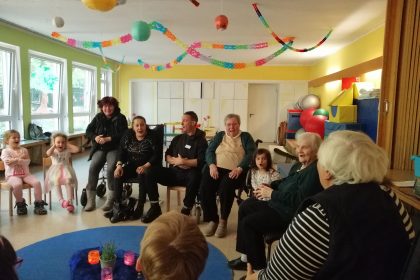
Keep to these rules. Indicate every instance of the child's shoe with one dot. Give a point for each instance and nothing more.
(21, 208)
(70, 207)
(39, 207)
(64, 203)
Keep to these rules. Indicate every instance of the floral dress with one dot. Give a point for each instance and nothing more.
(259, 177)
(61, 171)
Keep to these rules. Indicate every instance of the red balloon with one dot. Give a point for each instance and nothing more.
(221, 22)
(305, 115)
(316, 124)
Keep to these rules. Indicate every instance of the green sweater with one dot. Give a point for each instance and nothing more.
(289, 192)
(247, 143)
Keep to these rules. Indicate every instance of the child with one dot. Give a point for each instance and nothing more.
(16, 161)
(173, 247)
(262, 171)
(61, 171)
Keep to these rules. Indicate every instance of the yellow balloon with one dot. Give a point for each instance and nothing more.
(100, 5)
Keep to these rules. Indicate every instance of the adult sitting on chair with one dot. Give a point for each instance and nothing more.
(355, 229)
(257, 217)
(137, 153)
(228, 158)
(185, 157)
(105, 131)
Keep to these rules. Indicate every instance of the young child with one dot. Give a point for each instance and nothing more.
(173, 247)
(262, 171)
(61, 171)
(16, 161)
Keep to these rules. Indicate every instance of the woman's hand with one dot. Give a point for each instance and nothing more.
(263, 192)
(141, 169)
(118, 172)
(250, 274)
(234, 174)
(213, 171)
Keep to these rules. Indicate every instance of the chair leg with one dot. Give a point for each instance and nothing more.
(76, 197)
(178, 193)
(10, 202)
(30, 196)
(49, 200)
(168, 199)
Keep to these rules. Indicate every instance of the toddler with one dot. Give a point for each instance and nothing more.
(16, 161)
(262, 171)
(61, 171)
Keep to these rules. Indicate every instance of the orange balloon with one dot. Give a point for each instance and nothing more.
(100, 5)
(221, 22)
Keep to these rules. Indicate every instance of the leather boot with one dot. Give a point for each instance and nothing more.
(91, 200)
(117, 213)
(138, 211)
(110, 198)
(152, 214)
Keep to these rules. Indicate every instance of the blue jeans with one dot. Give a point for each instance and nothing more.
(97, 163)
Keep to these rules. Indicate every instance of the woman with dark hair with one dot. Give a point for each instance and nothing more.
(8, 260)
(105, 131)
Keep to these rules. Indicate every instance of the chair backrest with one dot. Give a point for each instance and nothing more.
(46, 162)
(2, 165)
(412, 265)
(158, 131)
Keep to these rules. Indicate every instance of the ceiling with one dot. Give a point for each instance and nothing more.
(307, 20)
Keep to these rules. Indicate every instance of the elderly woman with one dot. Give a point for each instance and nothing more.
(355, 229)
(228, 157)
(258, 217)
(105, 132)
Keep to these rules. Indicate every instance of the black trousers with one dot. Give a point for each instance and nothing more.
(173, 176)
(225, 187)
(256, 218)
(143, 181)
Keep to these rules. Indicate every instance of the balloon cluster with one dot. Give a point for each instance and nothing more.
(312, 119)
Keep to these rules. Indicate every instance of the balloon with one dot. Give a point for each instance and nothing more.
(100, 5)
(310, 101)
(299, 132)
(58, 22)
(322, 112)
(221, 22)
(140, 30)
(305, 115)
(316, 124)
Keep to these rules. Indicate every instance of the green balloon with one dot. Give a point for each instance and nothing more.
(140, 31)
(321, 112)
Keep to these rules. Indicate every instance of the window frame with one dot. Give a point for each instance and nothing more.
(106, 82)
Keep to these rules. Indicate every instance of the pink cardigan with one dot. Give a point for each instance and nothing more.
(21, 167)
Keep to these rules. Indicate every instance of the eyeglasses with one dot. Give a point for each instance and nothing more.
(18, 262)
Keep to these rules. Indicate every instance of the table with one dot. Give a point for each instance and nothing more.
(405, 194)
(81, 270)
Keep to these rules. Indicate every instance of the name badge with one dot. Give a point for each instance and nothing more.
(187, 146)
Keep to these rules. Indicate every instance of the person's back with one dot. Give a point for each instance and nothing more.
(8, 260)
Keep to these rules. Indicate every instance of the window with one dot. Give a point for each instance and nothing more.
(84, 93)
(106, 83)
(9, 90)
(48, 108)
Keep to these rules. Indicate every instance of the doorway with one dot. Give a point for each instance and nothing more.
(262, 111)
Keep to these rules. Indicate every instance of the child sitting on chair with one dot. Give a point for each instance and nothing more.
(61, 171)
(16, 161)
(262, 171)
(173, 247)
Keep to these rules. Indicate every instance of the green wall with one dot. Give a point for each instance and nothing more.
(26, 41)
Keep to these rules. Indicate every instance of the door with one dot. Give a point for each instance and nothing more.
(262, 111)
(143, 100)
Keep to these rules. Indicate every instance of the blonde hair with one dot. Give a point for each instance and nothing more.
(173, 247)
(8, 133)
(58, 134)
(352, 157)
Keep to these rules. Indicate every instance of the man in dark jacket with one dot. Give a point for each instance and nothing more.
(185, 157)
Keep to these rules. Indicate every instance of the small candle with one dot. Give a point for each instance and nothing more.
(93, 257)
(129, 257)
(106, 273)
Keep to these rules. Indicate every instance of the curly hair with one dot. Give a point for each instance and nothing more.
(109, 100)
(7, 134)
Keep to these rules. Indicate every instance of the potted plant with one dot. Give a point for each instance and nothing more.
(108, 254)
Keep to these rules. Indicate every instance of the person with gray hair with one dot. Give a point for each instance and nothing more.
(355, 229)
(257, 217)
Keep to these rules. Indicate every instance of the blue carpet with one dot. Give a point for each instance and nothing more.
(49, 259)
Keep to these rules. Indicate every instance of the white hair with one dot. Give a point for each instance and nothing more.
(352, 157)
(311, 138)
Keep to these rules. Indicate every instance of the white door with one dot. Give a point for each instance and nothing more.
(262, 111)
(143, 100)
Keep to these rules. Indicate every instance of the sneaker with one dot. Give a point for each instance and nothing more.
(152, 214)
(186, 211)
(108, 214)
(63, 203)
(70, 207)
(210, 228)
(39, 207)
(221, 230)
(21, 208)
(237, 264)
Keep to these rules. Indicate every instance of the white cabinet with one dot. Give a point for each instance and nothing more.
(170, 105)
(233, 98)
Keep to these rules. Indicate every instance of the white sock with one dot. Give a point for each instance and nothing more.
(244, 258)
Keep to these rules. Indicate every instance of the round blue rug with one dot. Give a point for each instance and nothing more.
(49, 259)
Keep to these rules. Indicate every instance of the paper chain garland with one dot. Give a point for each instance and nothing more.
(264, 22)
(192, 49)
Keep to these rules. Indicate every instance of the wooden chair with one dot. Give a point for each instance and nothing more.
(46, 163)
(178, 189)
(4, 186)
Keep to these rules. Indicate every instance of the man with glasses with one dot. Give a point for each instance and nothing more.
(185, 157)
